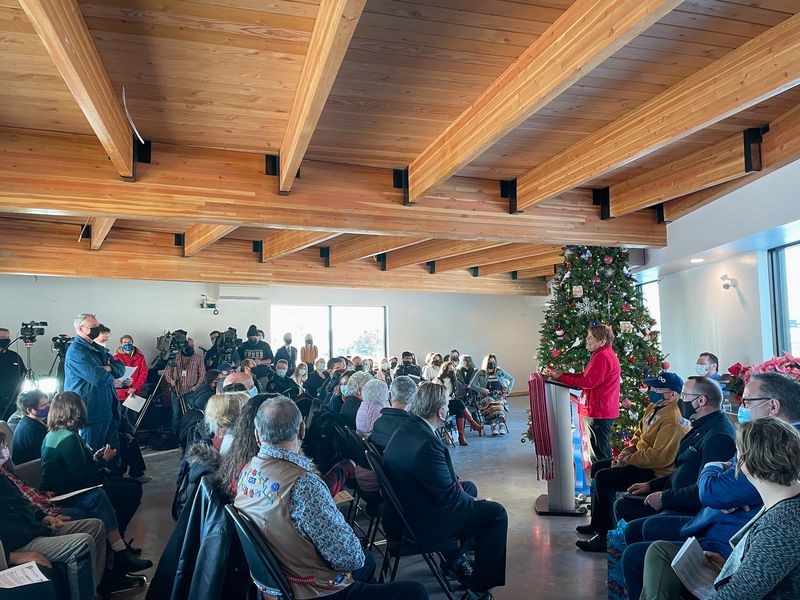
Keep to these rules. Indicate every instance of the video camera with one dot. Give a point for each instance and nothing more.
(61, 343)
(226, 344)
(29, 331)
(169, 344)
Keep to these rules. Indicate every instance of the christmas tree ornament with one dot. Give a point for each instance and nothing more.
(577, 291)
(665, 366)
(608, 260)
(643, 389)
(586, 307)
(560, 332)
(555, 353)
(586, 255)
(625, 327)
(626, 307)
(626, 403)
(595, 280)
(651, 360)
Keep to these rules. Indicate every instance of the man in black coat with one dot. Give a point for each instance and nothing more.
(439, 506)
(31, 431)
(256, 349)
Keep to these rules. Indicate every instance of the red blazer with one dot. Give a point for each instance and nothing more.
(139, 376)
(600, 383)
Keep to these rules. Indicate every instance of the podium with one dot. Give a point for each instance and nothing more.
(559, 501)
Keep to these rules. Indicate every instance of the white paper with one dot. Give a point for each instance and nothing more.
(75, 493)
(21, 575)
(129, 371)
(135, 403)
(690, 567)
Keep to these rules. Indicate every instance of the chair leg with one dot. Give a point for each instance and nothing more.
(438, 574)
(384, 566)
(394, 568)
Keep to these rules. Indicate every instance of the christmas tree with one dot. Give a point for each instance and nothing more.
(594, 285)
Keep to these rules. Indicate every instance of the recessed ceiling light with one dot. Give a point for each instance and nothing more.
(696, 261)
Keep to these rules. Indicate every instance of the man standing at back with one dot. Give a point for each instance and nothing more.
(258, 350)
(86, 374)
(288, 353)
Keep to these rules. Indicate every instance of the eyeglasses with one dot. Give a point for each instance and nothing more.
(747, 402)
(685, 395)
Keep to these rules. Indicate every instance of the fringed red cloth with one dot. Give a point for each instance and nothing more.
(545, 468)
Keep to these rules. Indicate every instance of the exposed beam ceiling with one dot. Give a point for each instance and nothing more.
(100, 228)
(201, 236)
(282, 243)
(432, 250)
(753, 72)
(495, 255)
(66, 38)
(334, 26)
(521, 264)
(586, 34)
(545, 271)
(364, 247)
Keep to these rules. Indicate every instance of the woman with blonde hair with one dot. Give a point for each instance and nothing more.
(456, 396)
(222, 412)
(493, 385)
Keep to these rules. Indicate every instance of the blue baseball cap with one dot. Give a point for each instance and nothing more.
(666, 380)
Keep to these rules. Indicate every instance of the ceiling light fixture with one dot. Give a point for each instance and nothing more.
(697, 261)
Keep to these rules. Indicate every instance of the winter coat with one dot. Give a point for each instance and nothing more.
(600, 382)
(139, 376)
(84, 374)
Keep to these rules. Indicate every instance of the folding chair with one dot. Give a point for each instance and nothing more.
(265, 570)
(408, 545)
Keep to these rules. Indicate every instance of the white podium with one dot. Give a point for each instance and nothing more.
(559, 500)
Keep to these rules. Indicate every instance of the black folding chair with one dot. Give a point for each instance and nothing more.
(407, 544)
(264, 568)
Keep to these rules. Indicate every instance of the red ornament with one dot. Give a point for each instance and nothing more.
(631, 359)
(555, 353)
(608, 260)
(569, 265)
(559, 332)
(626, 307)
(651, 360)
(595, 280)
(665, 366)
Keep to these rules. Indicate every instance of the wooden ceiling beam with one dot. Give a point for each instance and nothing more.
(100, 228)
(431, 250)
(721, 162)
(586, 34)
(756, 71)
(365, 246)
(546, 271)
(333, 29)
(201, 236)
(522, 264)
(780, 146)
(28, 248)
(283, 243)
(62, 174)
(495, 255)
(63, 31)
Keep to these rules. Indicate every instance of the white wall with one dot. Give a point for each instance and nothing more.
(420, 322)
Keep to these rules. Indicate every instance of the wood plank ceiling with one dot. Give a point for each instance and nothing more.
(216, 86)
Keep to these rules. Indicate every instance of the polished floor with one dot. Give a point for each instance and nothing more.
(543, 562)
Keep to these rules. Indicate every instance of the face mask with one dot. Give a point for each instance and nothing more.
(252, 391)
(320, 366)
(252, 341)
(491, 365)
(384, 366)
(309, 341)
(127, 347)
(687, 409)
(4, 344)
(188, 351)
(287, 341)
(454, 359)
(743, 415)
(701, 369)
(281, 372)
(94, 333)
(302, 371)
(407, 362)
(5, 455)
(343, 390)
(43, 412)
(437, 363)
(655, 397)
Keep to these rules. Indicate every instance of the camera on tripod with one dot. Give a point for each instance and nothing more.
(169, 344)
(29, 331)
(227, 343)
(60, 344)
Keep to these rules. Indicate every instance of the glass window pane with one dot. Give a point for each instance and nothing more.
(299, 320)
(652, 301)
(359, 330)
(792, 279)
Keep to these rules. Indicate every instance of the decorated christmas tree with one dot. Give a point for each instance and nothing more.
(594, 285)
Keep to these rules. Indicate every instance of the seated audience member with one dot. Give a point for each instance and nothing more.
(493, 385)
(243, 381)
(304, 529)
(201, 395)
(729, 499)
(437, 505)
(69, 465)
(317, 378)
(402, 394)
(222, 412)
(336, 366)
(282, 383)
(338, 391)
(384, 372)
(408, 368)
(29, 434)
(433, 362)
(352, 397)
(129, 355)
(710, 439)
(466, 370)
(650, 454)
(393, 362)
(374, 398)
(765, 561)
(248, 367)
(707, 366)
(457, 395)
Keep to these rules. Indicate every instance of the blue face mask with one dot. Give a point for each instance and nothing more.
(655, 397)
(343, 390)
(252, 391)
(743, 415)
(127, 347)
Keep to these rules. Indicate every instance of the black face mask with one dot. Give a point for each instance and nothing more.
(454, 359)
(687, 409)
(5, 344)
(437, 363)
(406, 362)
(188, 351)
(252, 341)
(94, 333)
(491, 365)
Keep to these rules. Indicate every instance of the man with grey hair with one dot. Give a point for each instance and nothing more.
(437, 505)
(90, 373)
(401, 395)
(299, 520)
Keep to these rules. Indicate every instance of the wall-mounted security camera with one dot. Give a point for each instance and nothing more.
(728, 282)
(207, 303)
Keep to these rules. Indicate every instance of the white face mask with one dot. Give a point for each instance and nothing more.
(5, 455)
(701, 369)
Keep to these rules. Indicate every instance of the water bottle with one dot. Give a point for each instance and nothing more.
(726, 406)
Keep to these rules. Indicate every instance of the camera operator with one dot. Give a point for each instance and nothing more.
(211, 359)
(90, 372)
(185, 376)
(12, 371)
(258, 350)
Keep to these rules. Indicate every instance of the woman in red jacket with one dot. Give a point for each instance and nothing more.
(600, 382)
(132, 357)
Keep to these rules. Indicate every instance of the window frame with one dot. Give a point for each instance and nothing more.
(779, 298)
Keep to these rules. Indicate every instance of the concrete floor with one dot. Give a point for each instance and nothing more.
(543, 562)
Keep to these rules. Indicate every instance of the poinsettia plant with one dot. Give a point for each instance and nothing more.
(739, 375)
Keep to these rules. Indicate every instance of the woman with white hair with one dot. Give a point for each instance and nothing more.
(351, 393)
(374, 397)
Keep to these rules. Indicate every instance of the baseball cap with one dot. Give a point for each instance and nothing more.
(667, 380)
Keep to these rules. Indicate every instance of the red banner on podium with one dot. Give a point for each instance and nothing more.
(540, 429)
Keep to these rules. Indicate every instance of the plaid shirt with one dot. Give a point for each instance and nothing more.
(37, 498)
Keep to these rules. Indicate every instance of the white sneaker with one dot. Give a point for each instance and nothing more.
(494, 429)
(501, 427)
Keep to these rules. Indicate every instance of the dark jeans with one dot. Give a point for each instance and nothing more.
(639, 534)
(130, 455)
(599, 438)
(607, 482)
(365, 588)
(97, 435)
(95, 504)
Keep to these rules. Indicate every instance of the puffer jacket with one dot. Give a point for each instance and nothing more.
(139, 377)
(201, 459)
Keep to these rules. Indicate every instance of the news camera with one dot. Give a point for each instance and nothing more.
(170, 344)
(226, 344)
(29, 331)
(60, 344)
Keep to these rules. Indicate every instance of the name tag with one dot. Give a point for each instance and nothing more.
(183, 373)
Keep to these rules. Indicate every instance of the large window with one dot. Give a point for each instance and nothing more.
(785, 263)
(337, 330)
(652, 301)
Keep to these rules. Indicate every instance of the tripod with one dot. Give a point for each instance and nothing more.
(29, 381)
(58, 365)
(149, 399)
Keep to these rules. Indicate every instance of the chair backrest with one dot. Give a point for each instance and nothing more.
(30, 472)
(264, 567)
(352, 445)
(389, 495)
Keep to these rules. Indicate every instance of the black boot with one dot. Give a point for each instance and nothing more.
(128, 563)
(115, 581)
